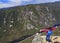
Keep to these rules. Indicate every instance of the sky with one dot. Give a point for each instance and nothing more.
(12, 3)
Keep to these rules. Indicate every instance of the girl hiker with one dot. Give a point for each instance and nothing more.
(49, 31)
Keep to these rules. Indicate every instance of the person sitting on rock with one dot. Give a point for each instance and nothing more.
(49, 31)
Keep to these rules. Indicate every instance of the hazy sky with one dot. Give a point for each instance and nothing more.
(11, 3)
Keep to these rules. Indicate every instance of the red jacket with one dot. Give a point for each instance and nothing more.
(46, 30)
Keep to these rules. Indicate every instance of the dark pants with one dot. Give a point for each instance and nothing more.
(48, 38)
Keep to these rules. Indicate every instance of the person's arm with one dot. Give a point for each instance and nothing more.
(55, 26)
(43, 30)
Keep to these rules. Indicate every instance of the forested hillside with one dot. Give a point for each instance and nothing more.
(18, 21)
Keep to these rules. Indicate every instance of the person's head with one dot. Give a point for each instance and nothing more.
(56, 26)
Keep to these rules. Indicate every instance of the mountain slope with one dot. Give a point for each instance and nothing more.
(25, 20)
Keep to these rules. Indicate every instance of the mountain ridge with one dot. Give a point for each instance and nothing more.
(26, 20)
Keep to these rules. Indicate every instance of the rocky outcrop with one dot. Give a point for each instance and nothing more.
(41, 39)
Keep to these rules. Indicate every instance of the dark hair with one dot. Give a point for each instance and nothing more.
(49, 28)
